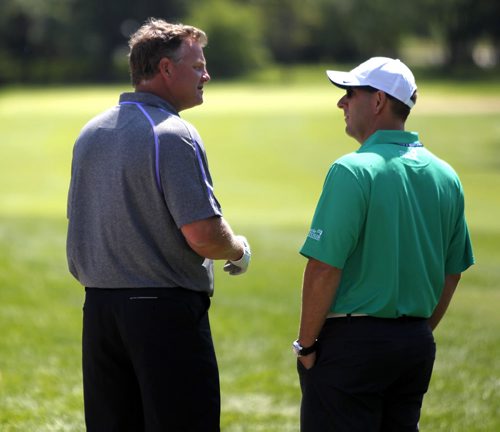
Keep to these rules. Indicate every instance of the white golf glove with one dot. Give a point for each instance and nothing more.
(240, 266)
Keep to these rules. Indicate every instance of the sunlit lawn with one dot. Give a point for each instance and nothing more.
(269, 148)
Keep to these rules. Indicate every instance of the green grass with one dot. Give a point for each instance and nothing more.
(269, 147)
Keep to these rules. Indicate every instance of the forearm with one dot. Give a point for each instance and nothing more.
(450, 284)
(318, 291)
(213, 238)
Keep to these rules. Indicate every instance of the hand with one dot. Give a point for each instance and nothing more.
(240, 266)
(308, 361)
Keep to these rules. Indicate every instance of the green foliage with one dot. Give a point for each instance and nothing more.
(235, 44)
(269, 147)
(46, 41)
(460, 25)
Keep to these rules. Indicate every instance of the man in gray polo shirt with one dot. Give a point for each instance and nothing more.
(144, 227)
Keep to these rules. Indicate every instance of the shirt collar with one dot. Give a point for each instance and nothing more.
(397, 137)
(148, 99)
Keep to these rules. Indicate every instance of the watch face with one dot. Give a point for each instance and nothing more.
(301, 351)
(297, 348)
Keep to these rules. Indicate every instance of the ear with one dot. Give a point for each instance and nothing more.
(380, 101)
(165, 67)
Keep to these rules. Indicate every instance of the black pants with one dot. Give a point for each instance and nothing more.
(149, 362)
(371, 375)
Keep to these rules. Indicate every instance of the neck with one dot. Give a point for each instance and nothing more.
(400, 126)
(153, 86)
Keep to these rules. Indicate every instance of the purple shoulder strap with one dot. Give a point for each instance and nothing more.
(197, 150)
(157, 142)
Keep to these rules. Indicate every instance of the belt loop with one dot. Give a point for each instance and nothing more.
(349, 318)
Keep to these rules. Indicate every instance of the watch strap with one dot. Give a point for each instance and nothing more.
(304, 351)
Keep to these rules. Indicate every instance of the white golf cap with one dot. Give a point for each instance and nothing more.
(386, 74)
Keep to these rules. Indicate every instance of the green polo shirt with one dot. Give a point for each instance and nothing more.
(391, 216)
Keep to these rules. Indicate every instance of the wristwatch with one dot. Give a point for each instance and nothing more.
(301, 351)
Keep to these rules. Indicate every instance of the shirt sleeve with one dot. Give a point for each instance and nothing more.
(460, 256)
(185, 178)
(338, 220)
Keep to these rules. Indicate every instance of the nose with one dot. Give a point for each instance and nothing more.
(342, 101)
(205, 77)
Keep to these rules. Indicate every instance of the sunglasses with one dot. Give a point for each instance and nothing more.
(349, 91)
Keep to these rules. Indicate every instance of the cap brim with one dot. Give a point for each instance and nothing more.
(342, 79)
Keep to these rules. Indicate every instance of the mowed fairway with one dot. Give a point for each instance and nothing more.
(269, 148)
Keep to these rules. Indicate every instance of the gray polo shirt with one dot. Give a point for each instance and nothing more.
(139, 173)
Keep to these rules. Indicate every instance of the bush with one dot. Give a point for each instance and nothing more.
(235, 40)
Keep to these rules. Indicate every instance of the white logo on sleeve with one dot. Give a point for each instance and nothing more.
(315, 234)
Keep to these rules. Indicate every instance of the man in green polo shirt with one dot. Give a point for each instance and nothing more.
(387, 245)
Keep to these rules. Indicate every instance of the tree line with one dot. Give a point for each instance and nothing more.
(46, 41)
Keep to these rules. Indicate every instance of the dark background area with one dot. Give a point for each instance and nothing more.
(73, 41)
